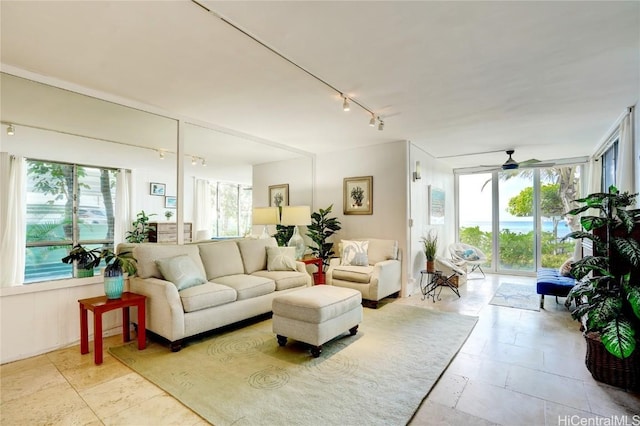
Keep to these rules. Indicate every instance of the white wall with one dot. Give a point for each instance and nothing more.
(437, 174)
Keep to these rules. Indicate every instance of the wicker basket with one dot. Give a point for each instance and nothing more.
(606, 368)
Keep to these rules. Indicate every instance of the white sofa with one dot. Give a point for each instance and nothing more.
(239, 286)
(382, 276)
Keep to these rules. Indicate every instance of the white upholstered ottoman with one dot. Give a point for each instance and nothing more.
(316, 315)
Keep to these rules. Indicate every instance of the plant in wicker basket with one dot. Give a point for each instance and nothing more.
(607, 294)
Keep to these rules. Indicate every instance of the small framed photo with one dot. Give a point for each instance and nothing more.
(170, 202)
(157, 189)
(279, 195)
(358, 195)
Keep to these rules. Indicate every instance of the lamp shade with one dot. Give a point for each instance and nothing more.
(265, 215)
(296, 215)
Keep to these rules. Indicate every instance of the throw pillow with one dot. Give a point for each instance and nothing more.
(354, 253)
(182, 271)
(470, 254)
(281, 258)
(565, 268)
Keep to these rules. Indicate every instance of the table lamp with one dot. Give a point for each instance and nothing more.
(296, 216)
(265, 216)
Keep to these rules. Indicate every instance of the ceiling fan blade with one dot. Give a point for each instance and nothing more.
(537, 165)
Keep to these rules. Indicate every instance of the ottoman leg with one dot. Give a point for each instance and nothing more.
(282, 340)
(315, 351)
(353, 330)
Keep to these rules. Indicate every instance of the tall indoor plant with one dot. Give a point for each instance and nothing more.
(430, 248)
(607, 294)
(141, 228)
(321, 229)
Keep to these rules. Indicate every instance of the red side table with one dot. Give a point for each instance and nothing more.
(100, 305)
(318, 277)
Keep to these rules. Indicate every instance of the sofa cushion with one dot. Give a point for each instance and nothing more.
(182, 271)
(146, 255)
(284, 279)
(221, 258)
(206, 296)
(357, 274)
(353, 252)
(248, 286)
(281, 259)
(254, 255)
(381, 250)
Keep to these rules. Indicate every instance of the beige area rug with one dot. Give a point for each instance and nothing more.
(242, 377)
(520, 296)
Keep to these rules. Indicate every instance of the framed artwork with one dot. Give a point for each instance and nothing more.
(157, 189)
(436, 205)
(170, 202)
(279, 195)
(358, 195)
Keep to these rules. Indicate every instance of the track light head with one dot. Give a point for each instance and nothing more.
(345, 104)
(11, 130)
(372, 122)
(380, 125)
(204, 162)
(193, 161)
(161, 154)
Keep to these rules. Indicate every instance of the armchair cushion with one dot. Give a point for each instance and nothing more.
(358, 274)
(354, 253)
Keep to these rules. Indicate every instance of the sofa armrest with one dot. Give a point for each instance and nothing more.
(333, 262)
(164, 311)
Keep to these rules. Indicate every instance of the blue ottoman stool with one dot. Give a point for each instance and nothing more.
(550, 282)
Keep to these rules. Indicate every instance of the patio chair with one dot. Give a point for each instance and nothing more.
(462, 253)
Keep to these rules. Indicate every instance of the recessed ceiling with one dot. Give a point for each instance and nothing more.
(546, 78)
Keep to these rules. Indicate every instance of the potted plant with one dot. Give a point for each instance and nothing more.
(607, 293)
(117, 265)
(321, 229)
(430, 248)
(168, 214)
(141, 228)
(84, 260)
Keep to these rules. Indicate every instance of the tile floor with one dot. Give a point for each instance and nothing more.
(517, 367)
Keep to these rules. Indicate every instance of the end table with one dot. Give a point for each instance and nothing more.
(99, 305)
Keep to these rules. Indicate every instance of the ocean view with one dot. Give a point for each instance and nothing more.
(520, 227)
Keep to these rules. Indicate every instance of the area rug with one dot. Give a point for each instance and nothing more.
(520, 296)
(242, 377)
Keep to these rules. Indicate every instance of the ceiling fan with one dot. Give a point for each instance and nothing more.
(512, 164)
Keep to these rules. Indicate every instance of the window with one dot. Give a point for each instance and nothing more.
(609, 166)
(232, 209)
(67, 204)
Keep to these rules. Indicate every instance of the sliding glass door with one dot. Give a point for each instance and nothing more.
(517, 217)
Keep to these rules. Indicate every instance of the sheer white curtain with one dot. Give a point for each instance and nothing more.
(625, 167)
(202, 209)
(123, 213)
(13, 210)
(594, 181)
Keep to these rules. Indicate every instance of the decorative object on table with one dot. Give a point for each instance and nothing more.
(168, 214)
(84, 260)
(279, 195)
(141, 228)
(321, 229)
(607, 295)
(403, 348)
(157, 189)
(170, 202)
(117, 265)
(436, 205)
(296, 216)
(265, 216)
(519, 296)
(430, 248)
(357, 195)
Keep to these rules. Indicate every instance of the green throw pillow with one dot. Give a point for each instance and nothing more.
(281, 258)
(182, 271)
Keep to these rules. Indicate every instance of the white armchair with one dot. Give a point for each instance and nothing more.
(376, 278)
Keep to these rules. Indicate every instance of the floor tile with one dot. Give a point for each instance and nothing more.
(448, 389)
(561, 415)
(158, 410)
(30, 380)
(24, 364)
(50, 405)
(479, 369)
(434, 414)
(608, 401)
(87, 374)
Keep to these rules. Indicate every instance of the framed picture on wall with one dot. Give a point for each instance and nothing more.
(357, 195)
(156, 188)
(436, 205)
(170, 202)
(279, 195)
